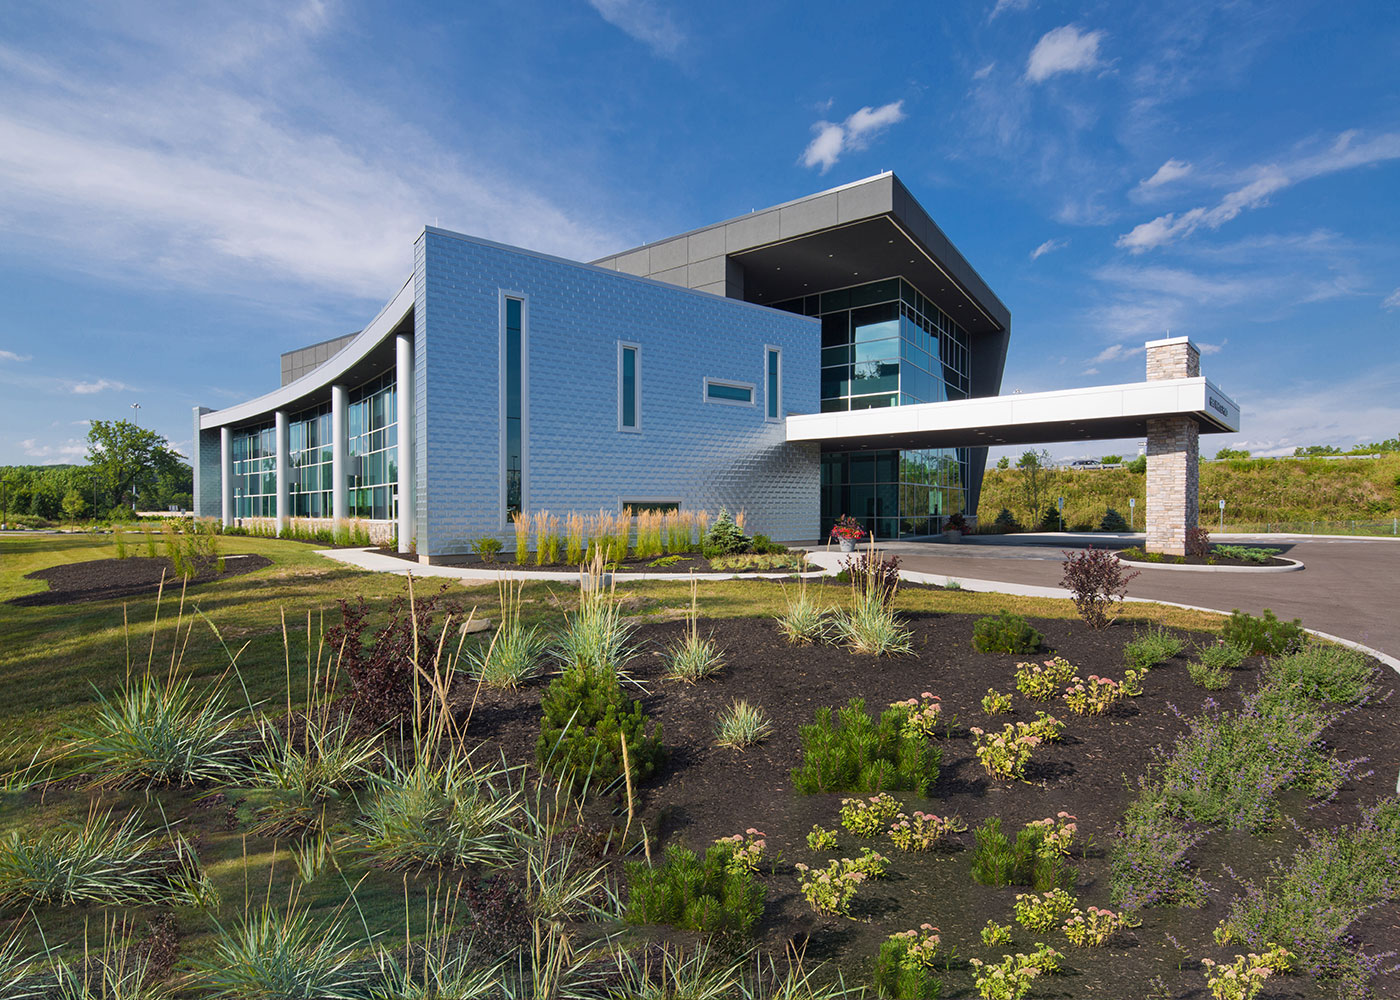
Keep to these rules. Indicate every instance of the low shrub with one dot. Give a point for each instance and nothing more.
(1324, 675)
(724, 538)
(1005, 633)
(765, 546)
(709, 894)
(487, 548)
(1198, 543)
(1150, 647)
(903, 964)
(741, 725)
(854, 753)
(1221, 655)
(1036, 858)
(1246, 553)
(585, 718)
(1208, 677)
(1094, 578)
(1265, 635)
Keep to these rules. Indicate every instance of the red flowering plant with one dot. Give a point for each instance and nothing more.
(847, 527)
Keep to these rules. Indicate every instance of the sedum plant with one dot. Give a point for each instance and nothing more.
(867, 818)
(922, 830)
(1092, 927)
(904, 964)
(994, 933)
(1004, 755)
(1043, 911)
(830, 890)
(1092, 697)
(996, 703)
(821, 839)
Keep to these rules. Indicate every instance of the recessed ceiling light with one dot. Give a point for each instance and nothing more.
(831, 255)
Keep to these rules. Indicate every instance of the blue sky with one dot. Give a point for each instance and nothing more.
(187, 190)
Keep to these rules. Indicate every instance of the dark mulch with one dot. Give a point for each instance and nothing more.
(706, 792)
(1213, 560)
(104, 579)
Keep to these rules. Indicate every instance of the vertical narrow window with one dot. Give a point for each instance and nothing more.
(514, 405)
(629, 387)
(774, 382)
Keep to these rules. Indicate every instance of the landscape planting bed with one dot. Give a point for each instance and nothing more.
(107, 579)
(706, 792)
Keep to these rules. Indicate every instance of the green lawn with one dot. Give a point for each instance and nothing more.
(53, 659)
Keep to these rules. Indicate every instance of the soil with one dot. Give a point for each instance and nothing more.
(705, 792)
(1213, 560)
(105, 579)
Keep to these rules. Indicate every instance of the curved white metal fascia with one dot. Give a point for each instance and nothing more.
(327, 374)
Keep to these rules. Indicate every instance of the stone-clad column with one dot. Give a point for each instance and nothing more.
(284, 478)
(226, 474)
(1173, 454)
(340, 453)
(403, 375)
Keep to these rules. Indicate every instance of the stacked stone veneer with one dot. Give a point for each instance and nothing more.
(1173, 454)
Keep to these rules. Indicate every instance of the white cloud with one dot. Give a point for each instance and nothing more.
(1172, 170)
(1345, 153)
(831, 139)
(51, 454)
(1090, 371)
(12, 356)
(201, 167)
(1213, 348)
(645, 20)
(985, 71)
(1114, 352)
(1004, 5)
(94, 387)
(1391, 301)
(1063, 50)
(1049, 246)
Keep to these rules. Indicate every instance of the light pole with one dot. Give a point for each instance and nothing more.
(136, 419)
(136, 414)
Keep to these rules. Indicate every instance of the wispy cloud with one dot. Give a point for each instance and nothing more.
(1172, 170)
(96, 386)
(645, 20)
(12, 356)
(1063, 50)
(1002, 6)
(1391, 301)
(1049, 246)
(832, 139)
(1345, 153)
(54, 453)
(985, 71)
(209, 165)
(1115, 352)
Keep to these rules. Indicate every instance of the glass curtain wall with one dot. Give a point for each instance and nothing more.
(373, 449)
(255, 471)
(309, 458)
(886, 344)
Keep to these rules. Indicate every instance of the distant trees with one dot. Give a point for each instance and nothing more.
(1112, 460)
(1231, 453)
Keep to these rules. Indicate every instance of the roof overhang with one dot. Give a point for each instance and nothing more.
(1096, 413)
(358, 361)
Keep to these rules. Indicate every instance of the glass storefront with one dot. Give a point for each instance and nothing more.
(373, 449)
(255, 471)
(886, 344)
(309, 461)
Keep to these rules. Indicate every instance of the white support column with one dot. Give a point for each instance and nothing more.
(403, 374)
(340, 453)
(226, 474)
(284, 478)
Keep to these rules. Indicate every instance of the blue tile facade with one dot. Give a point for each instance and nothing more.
(704, 455)
(208, 498)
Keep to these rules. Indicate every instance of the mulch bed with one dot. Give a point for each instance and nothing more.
(706, 792)
(1214, 560)
(105, 579)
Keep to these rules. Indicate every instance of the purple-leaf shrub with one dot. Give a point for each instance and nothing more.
(1095, 578)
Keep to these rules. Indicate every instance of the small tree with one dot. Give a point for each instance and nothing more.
(1113, 521)
(1035, 477)
(1004, 462)
(1095, 578)
(74, 506)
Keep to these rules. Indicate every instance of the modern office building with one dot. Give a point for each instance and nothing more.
(744, 365)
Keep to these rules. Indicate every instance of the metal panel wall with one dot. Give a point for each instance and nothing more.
(705, 455)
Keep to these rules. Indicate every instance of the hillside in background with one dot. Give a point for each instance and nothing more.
(1254, 490)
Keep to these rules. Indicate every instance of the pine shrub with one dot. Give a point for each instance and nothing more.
(1113, 521)
(1028, 860)
(709, 894)
(1005, 633)
(724, 538)
(851, 752)
(585, 718)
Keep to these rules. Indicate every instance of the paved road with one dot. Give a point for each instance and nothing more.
(1350, 588)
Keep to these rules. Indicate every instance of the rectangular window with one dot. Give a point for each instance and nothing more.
(649, 506)
(629, 386)
(773, 395)
(514, 406)
(730, 393)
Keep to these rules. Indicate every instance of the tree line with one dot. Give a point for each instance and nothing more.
(128, 468)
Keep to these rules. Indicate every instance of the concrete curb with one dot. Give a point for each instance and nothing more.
(376, 562)
(1293, 566)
